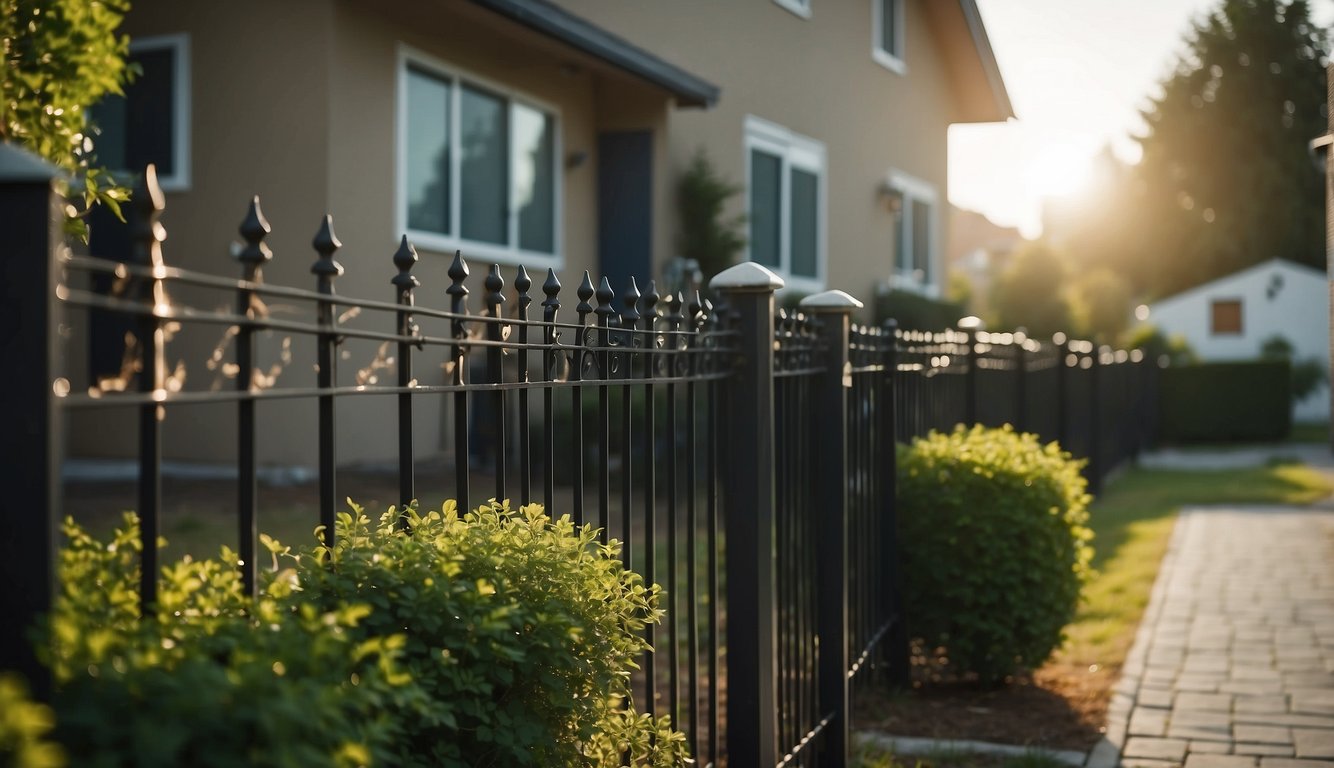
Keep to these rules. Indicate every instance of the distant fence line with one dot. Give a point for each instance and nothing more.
(745, 456)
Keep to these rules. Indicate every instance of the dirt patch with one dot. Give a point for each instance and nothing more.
(1060, 706)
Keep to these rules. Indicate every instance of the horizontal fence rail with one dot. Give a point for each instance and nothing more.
(743, 455)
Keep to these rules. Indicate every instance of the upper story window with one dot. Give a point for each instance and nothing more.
(1225, 317)
(915, 232)
(151, 122)
(800, 7)
(887, 30)
(786, 183)
(477, 166)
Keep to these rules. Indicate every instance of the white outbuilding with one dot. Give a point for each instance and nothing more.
(1231, 317)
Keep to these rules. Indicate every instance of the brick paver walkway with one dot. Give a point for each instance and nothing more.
(1233, 666)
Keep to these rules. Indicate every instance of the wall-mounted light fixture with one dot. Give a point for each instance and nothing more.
(890, 196)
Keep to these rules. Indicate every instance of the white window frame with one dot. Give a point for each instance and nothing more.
(801, 8)
(893, 58)
(911, 190)
(474, 250)
(179, 43)
(806, 154)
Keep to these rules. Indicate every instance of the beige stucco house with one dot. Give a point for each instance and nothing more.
(541, 133)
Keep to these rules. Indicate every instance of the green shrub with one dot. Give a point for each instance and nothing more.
(24, 726)
(915, 312)
(994, 550)
(496, 638)
(521, 633)
(214, 678)
(1235, 401)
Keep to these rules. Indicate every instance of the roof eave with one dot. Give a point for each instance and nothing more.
(987, 59)
(688, 89)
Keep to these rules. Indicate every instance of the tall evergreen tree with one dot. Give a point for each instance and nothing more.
(1226, 180)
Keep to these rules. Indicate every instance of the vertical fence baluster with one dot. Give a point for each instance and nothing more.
(1095, 452)
(629, 323)
(405, 258)
(604, 313)
(1062, 385)
(252, 257)
(584, 292)
(550, 306)
(749, 497)
(326, 269)
(1021, 383)
(674, 320)
(692, 520)
(711, 471)
(31, 216)
(651, 358)
(891, 386)
(147, 235)
(522, 283)
(495, 372)
(458, 295)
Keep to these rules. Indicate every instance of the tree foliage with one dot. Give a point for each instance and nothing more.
(61, 57)
(1226, 180)
(1102, 305)
(707, 235)
(1030, 292)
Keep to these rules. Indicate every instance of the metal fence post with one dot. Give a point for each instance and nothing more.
(1062, 406)
(748, 491)
(1095, 421)
(970, 326)
(30, 217)
(833, 310)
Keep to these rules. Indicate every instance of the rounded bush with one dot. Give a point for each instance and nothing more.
(994, 547)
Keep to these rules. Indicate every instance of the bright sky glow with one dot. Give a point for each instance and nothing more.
(1078, 73)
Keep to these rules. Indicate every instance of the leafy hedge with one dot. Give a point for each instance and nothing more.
(1226, 401)
(994, 546)
(498, 637)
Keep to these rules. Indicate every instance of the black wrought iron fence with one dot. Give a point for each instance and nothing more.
(744, 457)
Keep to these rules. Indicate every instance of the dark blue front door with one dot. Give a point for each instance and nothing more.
(625, 208)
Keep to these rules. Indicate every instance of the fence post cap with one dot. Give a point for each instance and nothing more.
(831, 301)
(21, 165)
(746, 276)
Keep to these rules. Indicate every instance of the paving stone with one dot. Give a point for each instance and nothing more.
(1211, 747)
(1314, 743)
(1217, 720)
(1144, 762)
(1287, 762)
(1289, 720)
(1154, 699)
(1314, 702)
(1200, 732)
(1147, 722)
(1251, 687)
(1270, 704)
(1262, 734)
(1263, 750)
(1157, 749)
(1204, 702)
(1195, 760)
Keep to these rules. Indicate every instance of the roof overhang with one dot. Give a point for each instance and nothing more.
(971, 62)
(554, 22)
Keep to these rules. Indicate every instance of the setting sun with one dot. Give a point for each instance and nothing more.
(1059, 170)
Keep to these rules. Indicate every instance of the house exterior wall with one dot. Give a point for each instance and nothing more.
(303, 110)
(1278, 298)
(815, 77)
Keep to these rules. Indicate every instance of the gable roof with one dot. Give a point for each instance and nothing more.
(1301, 271)
(579, 33)
(970, 60)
